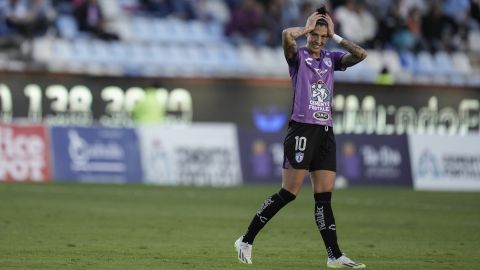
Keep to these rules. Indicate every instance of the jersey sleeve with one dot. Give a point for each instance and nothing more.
(337, 60)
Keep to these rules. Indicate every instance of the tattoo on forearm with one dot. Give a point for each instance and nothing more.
(357, 53)
(289, 44)
(296, 32)
(290, 50)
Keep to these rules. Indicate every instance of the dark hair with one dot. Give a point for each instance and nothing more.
(322, 10)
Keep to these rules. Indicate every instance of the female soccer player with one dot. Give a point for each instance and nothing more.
(310, 142)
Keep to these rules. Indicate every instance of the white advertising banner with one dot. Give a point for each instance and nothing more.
(449, 163)
(196, 154)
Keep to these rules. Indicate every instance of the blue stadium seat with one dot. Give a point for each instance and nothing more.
(407, 61)
(42, 50)
(249, 59)
(461, 63)
(375, 61)
(142, 29)
(425, 64)
(443, 63)
(281, 68)
(391, 60)
(67, 26)
(361, 72)
(198, 32)
(178, 30)
(161, 32)
(65, 58)
(215, 31)
(474, 40)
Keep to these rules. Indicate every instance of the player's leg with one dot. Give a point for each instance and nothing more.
(291, 183)
(323, 182)
(292, 180)
(322, 175)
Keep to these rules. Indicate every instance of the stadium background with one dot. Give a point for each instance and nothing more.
(196, 93)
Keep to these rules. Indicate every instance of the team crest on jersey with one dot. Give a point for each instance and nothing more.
(327, 61)
(299, 157)
(319, 92)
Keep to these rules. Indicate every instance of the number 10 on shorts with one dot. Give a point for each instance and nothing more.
(300, 143)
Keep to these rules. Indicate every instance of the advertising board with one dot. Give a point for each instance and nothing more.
(197, 154)
(450, 163)
(374, 160)
(96, 154)
(24, 153)
(262, 156)
(255, 103)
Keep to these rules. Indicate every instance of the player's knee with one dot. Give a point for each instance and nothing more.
(286, 195)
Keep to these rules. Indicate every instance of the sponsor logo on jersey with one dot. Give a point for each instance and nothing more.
(327, 61)
(309, 61)
(321, 115)
(299, 157)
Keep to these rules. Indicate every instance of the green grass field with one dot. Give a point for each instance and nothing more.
(88, 226)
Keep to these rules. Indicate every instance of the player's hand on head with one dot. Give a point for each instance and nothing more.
(331, 26)
(312, 21)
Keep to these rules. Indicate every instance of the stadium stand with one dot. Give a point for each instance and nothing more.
(416, 41)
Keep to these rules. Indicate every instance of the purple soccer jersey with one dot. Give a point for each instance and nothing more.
(312, 81)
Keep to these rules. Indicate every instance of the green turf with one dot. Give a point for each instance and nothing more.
(85, 226)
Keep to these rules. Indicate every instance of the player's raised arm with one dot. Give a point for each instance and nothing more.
(290, 34)
(355, 53)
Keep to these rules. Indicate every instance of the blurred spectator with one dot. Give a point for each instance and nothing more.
(89, 16)
(245, 23)
(306, 10)
(273, 24)
(9, 40)
(213, 10)
(161, 8)
(290, 11)
(404, 6)
(439, 30)
(414, 22)
(413, 30)
(384, 77)
(182, 9)
(5, 30)
(475, 11)
(356, 23)
(459, 11)
(390, 24)
(28, 18)
(149, 110)
(456, 9)
(380, 9)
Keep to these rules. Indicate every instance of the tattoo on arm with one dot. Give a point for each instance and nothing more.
(290, 50)
(288, 41)
(356, 53)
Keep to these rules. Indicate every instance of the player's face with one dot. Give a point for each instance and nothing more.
(317, 39)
